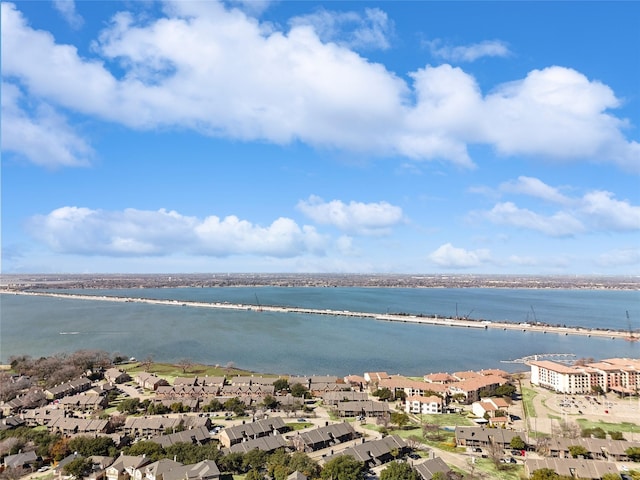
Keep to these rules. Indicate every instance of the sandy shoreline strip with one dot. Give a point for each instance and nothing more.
(435, 320)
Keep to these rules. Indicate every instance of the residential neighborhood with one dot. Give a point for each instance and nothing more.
(375, 418)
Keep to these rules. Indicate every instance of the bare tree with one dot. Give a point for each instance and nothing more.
(542, 445)
(185, 364)
(384, 420)
(566, 429)
(495, 452)
(13, 473)
(147, 362)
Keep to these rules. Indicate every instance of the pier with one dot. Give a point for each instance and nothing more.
(558, 357)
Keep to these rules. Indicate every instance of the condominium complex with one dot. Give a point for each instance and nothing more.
(621, 375)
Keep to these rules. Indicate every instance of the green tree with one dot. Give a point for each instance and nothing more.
(459, 397)
(633, 453)
(152, 450)
(129, 405)
(233, 462)
(399, 471)
(344, 467)
(178, 407)
(578, 451)
(235, 405)
(595, 432)
(383, 394)
(544, 474)
(616, 435)
(299, 390)
(253, 474)
(213, 406)
(269, 401)
(277, 464)
(254, 459)
(506, 390)
(304, 464)
(78, 467)
(401, 395)
(611, 476)
(281, 385)
(87, 446)
(399, 418)
(517, 443)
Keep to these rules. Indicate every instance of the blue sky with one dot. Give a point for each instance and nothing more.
(354, 137)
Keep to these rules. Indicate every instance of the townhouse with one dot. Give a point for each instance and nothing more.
(367, 408)
(375, 452)
(247, 431)
(69, 388)
(324, 437)
(572, 467)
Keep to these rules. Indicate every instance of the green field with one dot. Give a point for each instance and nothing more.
(169, 371)
(528, 395)
(609, 427)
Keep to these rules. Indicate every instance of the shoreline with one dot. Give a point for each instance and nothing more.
(394, 317)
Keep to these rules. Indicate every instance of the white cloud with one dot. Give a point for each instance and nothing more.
(469, 53)
(620, 257)
(593, 212)
(449, 256)
(291, 86)
(354, 217)
(560, 224)
(131, 232)
(350, 29)
(255, 7)
(606, 213)
(42, 136)
(535, 188)
(67, 8)
(558, 113)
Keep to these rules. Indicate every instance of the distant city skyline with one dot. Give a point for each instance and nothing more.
(354, 137)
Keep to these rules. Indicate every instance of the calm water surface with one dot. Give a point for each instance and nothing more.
(313, 344)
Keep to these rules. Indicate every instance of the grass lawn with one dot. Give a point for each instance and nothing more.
(170, 372)
(510, 472)
(528, 395)
(447, 420)
(299, 425)
(609, 427)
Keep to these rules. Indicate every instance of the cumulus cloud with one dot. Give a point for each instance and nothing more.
(284, 86)
(453, 257)
(67, 8)
(350, 29)
(354, 217)
(560, 224)
(595, 211)
(39, 134)
(131, 232)
(609, 214)
(468, 53)
(558, 113)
